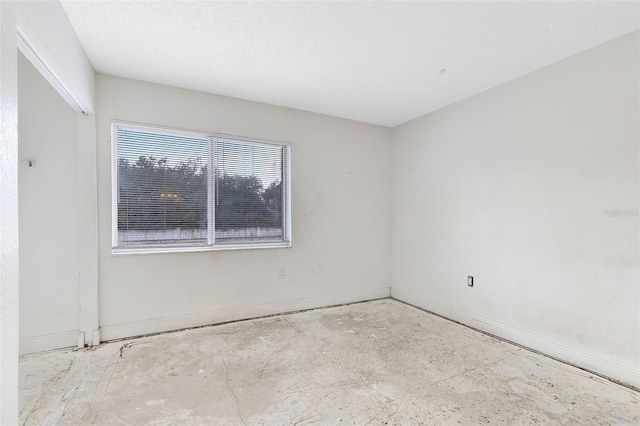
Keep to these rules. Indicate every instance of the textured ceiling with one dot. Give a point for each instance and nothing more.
(377, 62)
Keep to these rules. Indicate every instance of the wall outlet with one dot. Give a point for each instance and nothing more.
(282, 273)
(313, 270)
(470, 280)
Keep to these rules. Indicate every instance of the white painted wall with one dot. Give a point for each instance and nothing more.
(48, 24)
(8, 216)
(340, 206)
(47, 27)
(516, 186)
(48, 215)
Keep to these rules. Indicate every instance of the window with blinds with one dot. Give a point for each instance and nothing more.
(179, 190)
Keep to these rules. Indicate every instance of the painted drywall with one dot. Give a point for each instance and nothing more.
(60, 50)
(8, 216)
(340, 215)
(48, 24)
(532, 188)
(48, 215)
(87, 226)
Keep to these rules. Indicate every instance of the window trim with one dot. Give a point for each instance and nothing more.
(211, 245)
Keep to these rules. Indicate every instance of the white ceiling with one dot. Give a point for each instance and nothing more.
(377, 62)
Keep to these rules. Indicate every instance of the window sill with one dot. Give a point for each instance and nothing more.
(151, 250)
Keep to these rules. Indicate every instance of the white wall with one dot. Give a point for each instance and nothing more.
(48, 215)
(8, 216)
(532, 188)
(340, 218)
(48, 25)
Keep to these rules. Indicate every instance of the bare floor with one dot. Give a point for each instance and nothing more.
(379, 362)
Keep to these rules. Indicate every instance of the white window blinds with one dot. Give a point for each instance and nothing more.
(165, 196)
(248, 191)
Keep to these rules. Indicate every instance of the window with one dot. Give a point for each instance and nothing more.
(176, 190)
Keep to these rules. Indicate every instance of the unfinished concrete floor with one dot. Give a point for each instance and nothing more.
(379, 362)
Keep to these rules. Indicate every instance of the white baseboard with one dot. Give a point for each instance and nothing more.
(625, 373)
(139, 328)
(66, 339)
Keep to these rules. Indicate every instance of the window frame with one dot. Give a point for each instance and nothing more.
(211, 245)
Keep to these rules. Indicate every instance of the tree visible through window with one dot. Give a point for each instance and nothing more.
(166, 195)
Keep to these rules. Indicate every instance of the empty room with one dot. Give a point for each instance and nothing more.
(270, 213)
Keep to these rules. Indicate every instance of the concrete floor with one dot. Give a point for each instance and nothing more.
(379, 362)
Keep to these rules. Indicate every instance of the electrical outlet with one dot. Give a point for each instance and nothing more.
(470, 280)
(282, 274)
(313, 270)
